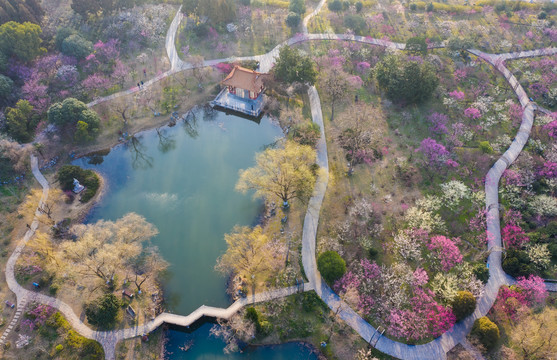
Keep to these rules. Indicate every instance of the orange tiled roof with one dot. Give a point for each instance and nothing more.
(243, 78)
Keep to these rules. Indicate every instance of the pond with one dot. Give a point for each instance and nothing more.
(182, 180)
(204, 346)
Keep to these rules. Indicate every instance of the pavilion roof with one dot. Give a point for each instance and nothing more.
(243, 78)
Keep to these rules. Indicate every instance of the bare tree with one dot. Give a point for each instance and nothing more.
(534, 336)
(197, 63)
(106, 248)
(122, 109)
(236, 329)
(44, 210)
(358, 137)
(334, 82)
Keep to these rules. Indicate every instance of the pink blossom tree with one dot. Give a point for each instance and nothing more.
(513, 236)
(120, 72)
(420, 277)
(95, 83)
(515, 113)
(533, 288)
(424, 319)
(457, 95)
(548, 170)
(551, 129)
(36, 93)
(438, 123)
(472, 113)
(445, 251)
(436, 155)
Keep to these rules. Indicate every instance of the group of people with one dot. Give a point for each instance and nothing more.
(140, 84)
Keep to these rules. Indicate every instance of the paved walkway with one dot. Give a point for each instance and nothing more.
(433, 350)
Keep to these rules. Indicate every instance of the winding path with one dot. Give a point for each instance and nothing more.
(435, 349)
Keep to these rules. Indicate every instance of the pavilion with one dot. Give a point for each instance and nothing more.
(242, 91)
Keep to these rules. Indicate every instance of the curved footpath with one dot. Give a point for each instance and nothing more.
(435, 349)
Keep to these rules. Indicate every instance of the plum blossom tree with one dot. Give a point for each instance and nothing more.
(436, 155)
(445, 251)
(513, 236)
(425, 318)
(420, 277)
(533, 289)
(548, 170)
(95, 83)
(472, 113)
(438, 123)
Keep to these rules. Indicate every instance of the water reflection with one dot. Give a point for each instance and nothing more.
(197, 343)
(167, 140)
(140, 158)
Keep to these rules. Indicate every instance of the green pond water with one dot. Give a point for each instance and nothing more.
(182, 180)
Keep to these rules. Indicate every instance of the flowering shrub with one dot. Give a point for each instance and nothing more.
(438, 123)
(472, 113)
(446, 251)
(551, 129)
(420, 277)
(454, 192)
(515, 113)
(436, 154)
(460, 74)
(543, 205)
(539, 255)
(548, 170)
(513, 236)
(362, 67)
(224, 68)
(37, 316)
(457, 95)
(512, 177)
(406, 246)
(478, 225)
(426, 318)
(419, 218)
(533, 289)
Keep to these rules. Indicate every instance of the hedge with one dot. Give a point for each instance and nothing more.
(87, 178)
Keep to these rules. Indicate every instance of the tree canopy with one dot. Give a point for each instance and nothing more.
(103, 311)
(105, 248)
(21, 11)
(283, 173)
(21, 121)
(297, 6)
(76, 46)
(292, 66)
(74, 114)
(335, 84)
(487, 332)
(21, 40)
(87, 178)
(293, 20)
(218, 11)
(331, 266)
(406, 81)
(463, 305)
(6, 86)
(416, 45)
(249, 252)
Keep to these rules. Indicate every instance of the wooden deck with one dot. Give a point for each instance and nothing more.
(229, 101)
